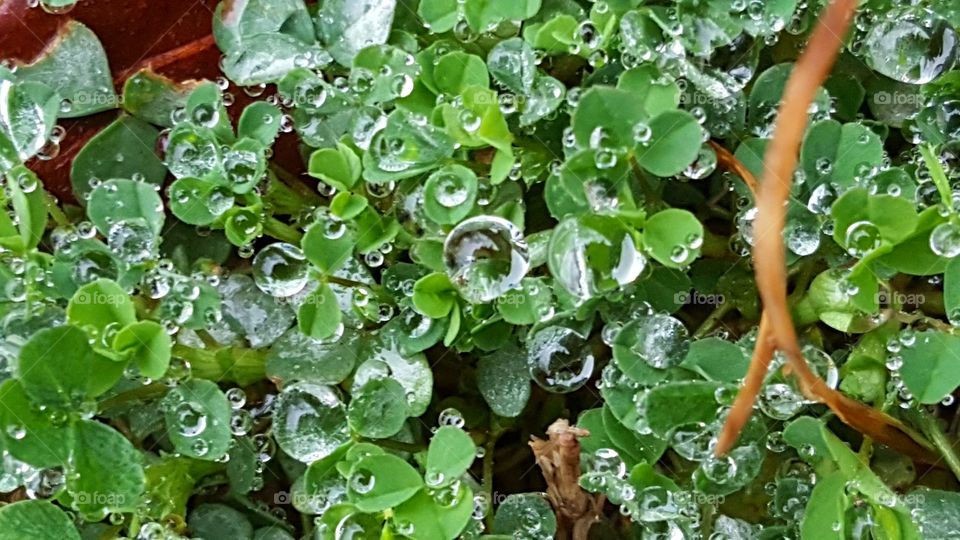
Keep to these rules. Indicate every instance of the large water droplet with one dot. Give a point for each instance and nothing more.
(912, 45)
(310, 421)
(280, 269)
(486, 256)
(560, 359)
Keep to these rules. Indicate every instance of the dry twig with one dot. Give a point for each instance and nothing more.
(559, 460)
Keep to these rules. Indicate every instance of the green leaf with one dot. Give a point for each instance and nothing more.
(717, 360)
(657, 93)
(197, 415)
(555, 36)
(449, 456)
(893, 218)
(322, 246)
(411, 371)
(404, 148)
(525, 511)
(148, 345)
(826, 509)
(434, 295)
(913, 255)
(120, 200)
(503, 378)
(936, 511)
(482, 15)
(100, 304)
(431, 520)
(449, 194)
(260, 121)
(606, 117)
(675, 139)
(378, 408)
(387, 72)
(319, 315)
(124, 149)
(951, 289)
(632, 446)
(199, 202)
(58, 368)
(439, 16)
(105, 471)
(385, 481)
(529, 304)
(513, 63)
(347, 26)
(673, 237)
(153, 98)
(339, 167)
(931, 365)
(457, 70)
(219, 522)
(298, 357)
(346, 205)
(674, 404)
(42, 443)
(35, 519)
(834, 153)
(32, 113)
(88, 89)
(243, 225)
(29, 207)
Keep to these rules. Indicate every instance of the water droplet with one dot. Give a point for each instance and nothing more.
(486, 256)
(560, 359)
(280, 269)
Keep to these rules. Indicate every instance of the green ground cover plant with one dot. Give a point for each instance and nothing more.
(492, 269)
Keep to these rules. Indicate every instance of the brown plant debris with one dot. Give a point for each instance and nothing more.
(776, 330)
(559, 461)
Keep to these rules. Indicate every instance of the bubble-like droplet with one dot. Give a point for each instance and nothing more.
(485, 256)
(862, 237)
(912, 45)
(659, 340)
(280, 269)
(132, 240)
(703, 166)
(310, 421)
(450, 417)
(362, 481)
(780, 402)
(560, 359)
(191, 419)
(945, 240)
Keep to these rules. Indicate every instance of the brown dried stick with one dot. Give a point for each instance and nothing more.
(559, 460)
(780, 160)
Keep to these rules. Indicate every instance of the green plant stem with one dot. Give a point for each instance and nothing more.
(489, 448)
(711, 321)
(143, 393)
(400, 446)
(55, 212)
(235, 364)
(651, 195)
(294, 183)
(928, 424)
(938, 176)
(349, 283)
(281, 231)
